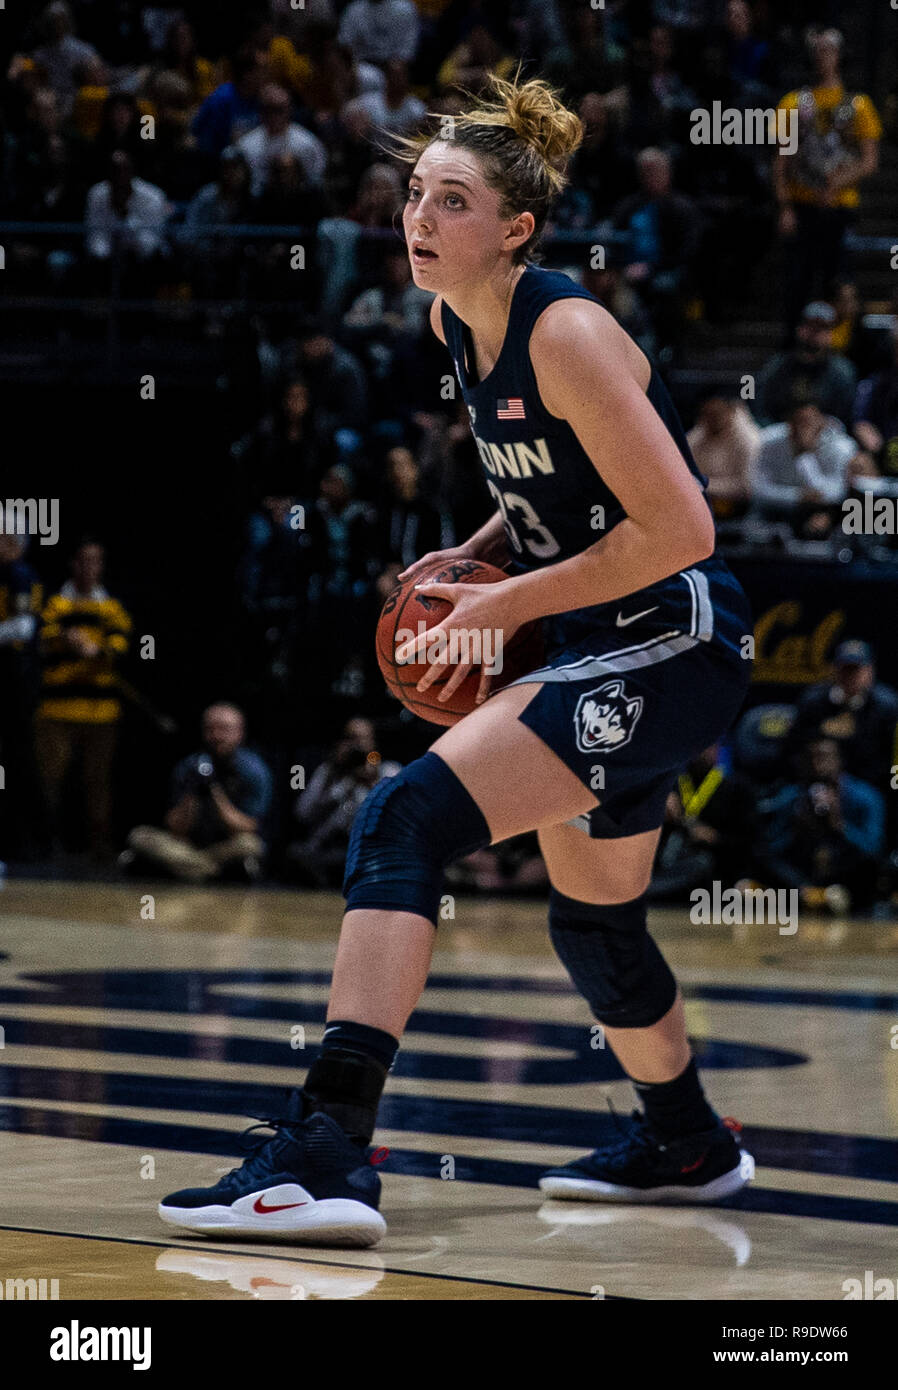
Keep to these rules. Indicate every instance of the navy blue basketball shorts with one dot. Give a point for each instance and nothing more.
(627, 717)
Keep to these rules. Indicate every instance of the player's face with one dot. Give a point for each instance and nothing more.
(451, 219)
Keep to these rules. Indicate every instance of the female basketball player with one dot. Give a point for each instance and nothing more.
(601, 507)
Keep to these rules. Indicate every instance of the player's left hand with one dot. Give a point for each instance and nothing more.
(481, 609)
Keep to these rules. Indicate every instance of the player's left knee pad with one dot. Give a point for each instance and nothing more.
(406, 832)
(611, 958)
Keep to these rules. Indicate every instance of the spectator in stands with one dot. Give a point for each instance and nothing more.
(856, 711)
(348, 259)
(22, 818)
(119, 129)
(393, 111)
(335, 75)
(215, 823)
(83, 636)
(288, 443)
(336, 380)
(349, 524)
(179, 55)
(725, 442)
(846, 302)
(584, 56)
(124, 223)
(747, 54)
(602, 170)
(620, 298)
(278, 135)
(449, 465)
(825, 834)
(172, 159)
(215, 262)
(44, 170)
(541, 28)
(809, 370)
(378, 30)
(803, 469)
(288, 200)
(818, 188)
(876, 413)
(730, 185)
(480, 54)
(279, 579)
(390, 309)
(409, 525)
(62, 53)
(233, 108)
(91, 98)
(685, 17)
(664, 229)
(709, 830)
(287, 65)
(659, 101)
(351, 152)
(125, 213)
(350, 567)
(378, 197)
(326, 808)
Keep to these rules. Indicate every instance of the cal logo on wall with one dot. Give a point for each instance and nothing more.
(789, 650)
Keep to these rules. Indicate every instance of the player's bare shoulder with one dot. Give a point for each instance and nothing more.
(436, 317)
(579, 336)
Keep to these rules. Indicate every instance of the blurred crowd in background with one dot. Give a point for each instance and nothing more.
(193, 151)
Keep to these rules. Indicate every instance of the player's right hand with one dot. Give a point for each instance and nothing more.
(456, 552)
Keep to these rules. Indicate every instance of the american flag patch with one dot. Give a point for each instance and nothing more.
(510, 410)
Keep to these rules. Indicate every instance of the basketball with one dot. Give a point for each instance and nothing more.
(407, 607)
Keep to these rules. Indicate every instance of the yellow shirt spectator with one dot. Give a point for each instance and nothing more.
(832, 126)
(83, 636)
(288, 68)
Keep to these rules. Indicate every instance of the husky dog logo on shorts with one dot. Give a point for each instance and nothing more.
(472, 411)
(606, 717)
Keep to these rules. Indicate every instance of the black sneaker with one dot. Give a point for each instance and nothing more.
(307, 1183)
(703, 1167)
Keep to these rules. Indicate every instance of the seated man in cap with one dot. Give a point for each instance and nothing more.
(856, 711)
(809, 371)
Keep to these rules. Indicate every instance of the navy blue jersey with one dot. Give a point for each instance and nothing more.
(553, 501)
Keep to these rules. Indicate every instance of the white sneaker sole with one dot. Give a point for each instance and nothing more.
(574, 1189)
(332, 1221)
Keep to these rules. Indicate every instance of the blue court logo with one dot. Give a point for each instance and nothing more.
(606, 717)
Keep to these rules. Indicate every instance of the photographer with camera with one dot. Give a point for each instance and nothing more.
(825, 834)
(219, 799)
(326, 808)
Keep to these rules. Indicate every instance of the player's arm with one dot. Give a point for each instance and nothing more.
(588, 372)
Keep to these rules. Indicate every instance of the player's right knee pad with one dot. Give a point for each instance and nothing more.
(406, 832)
(611, 958)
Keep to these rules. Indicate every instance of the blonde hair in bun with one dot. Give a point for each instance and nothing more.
(524, 136)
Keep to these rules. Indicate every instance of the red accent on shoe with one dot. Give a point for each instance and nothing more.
(732, 1124)
(379, 1156)
(691, 1167)
(263, 1210)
